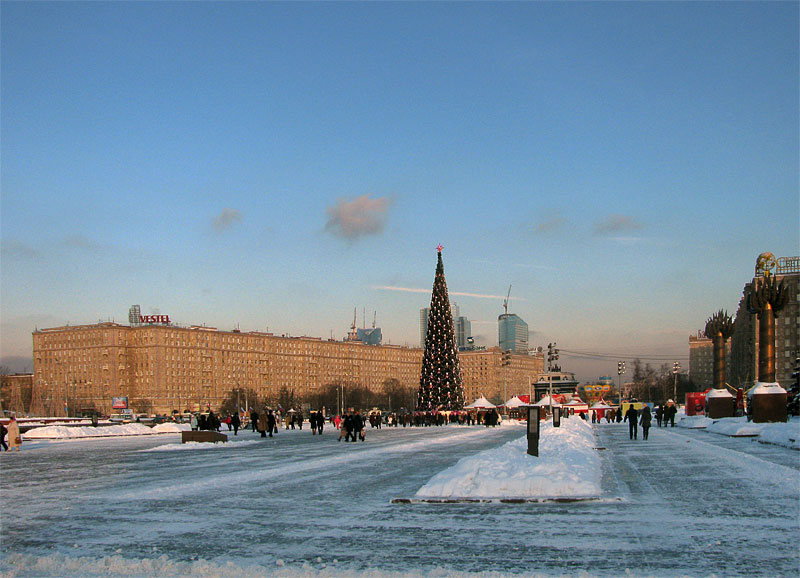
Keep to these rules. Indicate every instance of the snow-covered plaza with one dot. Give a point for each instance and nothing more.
(686, 502)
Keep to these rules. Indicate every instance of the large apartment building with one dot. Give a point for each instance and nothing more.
(744, 342)
(171, 367)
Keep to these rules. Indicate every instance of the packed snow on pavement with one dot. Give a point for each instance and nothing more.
(303, 505)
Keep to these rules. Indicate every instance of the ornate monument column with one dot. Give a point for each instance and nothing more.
(719, 401)
(767, 298)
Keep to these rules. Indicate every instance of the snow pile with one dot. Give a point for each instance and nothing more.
(695, 422)
(171, 427)
(567, 466)
(781, 434)
(203, 445)
(131, 429)
(766, 388)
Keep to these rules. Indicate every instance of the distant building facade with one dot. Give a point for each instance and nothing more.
(701, 361)
(744, 342)
(370, 336)
(512, 333)
(165, 367)
(485, 375)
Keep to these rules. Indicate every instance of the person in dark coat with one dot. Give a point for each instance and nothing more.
(272, 423)
(253, 419)
(669, 413)
(631, 416)
(3, 432)
(644, 421)
(235, 422)
(659, 414)
(358, 426)
(619, 413)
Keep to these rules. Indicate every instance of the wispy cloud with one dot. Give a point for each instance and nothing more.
(81, 242)
(550, 223)
(616, 224)
(14, 249)
(226, 219)
(351, 219)
(457, 293)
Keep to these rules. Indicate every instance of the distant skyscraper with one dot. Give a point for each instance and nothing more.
(423, 324)
(463, 330)
(371, 336)
(135, 316)
(512, 333)
(463, 327)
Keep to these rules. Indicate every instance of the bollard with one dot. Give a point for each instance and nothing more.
(533, 431)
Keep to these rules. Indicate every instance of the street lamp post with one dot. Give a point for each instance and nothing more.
(552, 355)
(620, 371)
(675, 369)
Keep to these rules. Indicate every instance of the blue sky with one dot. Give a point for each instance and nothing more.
(274, 165)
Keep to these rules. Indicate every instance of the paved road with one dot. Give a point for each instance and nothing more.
(675, 505)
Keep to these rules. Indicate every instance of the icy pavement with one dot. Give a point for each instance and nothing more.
(301, 505)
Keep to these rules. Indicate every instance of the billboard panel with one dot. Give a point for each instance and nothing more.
(119, 403)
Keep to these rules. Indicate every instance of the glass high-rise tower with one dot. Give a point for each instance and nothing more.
(512, 333)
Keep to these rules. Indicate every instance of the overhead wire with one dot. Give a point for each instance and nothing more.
(621, 356)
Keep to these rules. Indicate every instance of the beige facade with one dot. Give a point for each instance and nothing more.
(485, 375)
(701, 360)
(166, 367)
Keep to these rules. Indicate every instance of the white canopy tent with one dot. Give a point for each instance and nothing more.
(480, 403)
(546, 401)
(515, 402)
(601, 405)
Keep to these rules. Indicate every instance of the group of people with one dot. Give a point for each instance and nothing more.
(211, 421)
(664, 415)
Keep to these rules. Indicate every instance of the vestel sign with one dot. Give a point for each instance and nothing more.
(153, 319)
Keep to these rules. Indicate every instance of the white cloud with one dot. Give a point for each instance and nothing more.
(451, 293)
(358, 217)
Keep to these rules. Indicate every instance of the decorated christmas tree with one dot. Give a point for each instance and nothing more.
(440, 385)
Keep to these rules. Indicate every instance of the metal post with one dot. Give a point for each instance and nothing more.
(533, 431)
(675, 368)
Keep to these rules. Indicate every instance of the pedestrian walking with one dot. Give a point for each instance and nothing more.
(659, 414)
(193, 422)
(236, 422)
(669, 413)
(358, 427)
(345, 427)
(631, 416)
(253, 419)
(272, 423)
(645, 420)
(263, 424)
(3, 432)
(14, 437)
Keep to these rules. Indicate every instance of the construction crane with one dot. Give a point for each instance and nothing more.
(505, 301)
(353, 335)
